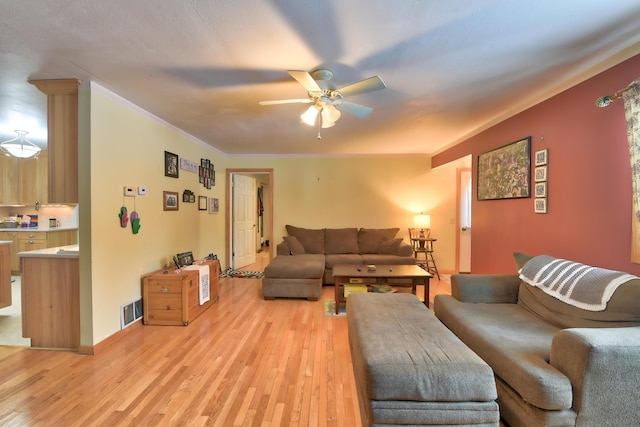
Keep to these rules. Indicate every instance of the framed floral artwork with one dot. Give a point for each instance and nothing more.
(504, 173)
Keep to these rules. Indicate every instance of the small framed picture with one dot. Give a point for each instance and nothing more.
(540, 174)
(541, 189)
(171, 165)
(540, 205)
(541, 157)
(202, 203)
(214, 205)
(170, 200)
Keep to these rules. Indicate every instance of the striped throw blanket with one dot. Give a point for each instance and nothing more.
(580, 285)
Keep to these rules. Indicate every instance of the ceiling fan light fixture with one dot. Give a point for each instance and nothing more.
(309, 116)
(20, 146)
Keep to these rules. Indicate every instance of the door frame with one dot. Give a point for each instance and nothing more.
(459, 172)
(229, 205)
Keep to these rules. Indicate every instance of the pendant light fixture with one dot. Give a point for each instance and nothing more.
(20, 146)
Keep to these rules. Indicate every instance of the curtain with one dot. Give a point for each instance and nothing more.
(631, 97)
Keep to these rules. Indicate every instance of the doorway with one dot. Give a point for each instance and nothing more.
(236, 201)
(463, 230)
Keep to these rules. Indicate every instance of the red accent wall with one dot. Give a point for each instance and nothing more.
(589, 181)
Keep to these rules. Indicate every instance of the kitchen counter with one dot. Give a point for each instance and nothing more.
(69, 251)
(32, 229)
(50, 284)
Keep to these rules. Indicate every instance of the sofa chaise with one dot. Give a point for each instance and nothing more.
(560, 358)
(305, 258)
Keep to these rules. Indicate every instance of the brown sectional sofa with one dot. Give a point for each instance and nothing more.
(305, 258)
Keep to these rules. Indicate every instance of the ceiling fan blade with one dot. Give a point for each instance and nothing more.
(286, 101)
(305, 79)
(351, 108)
(366, 85)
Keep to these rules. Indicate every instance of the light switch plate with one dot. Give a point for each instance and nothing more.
(129, 191)
(142, 191)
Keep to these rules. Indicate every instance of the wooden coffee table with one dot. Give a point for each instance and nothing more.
(343, 272)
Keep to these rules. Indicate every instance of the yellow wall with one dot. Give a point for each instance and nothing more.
(323, 192)
(127, 148)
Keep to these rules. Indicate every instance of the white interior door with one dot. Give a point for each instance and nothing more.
(244, 220)
(465, 194)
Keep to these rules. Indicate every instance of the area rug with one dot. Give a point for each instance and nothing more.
(330, 308)
(242, 274)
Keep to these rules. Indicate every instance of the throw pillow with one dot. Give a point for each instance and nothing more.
(370, 239)
(341, 240)
(311, 240)
(521, 259)
(295, 247)
(390, 247)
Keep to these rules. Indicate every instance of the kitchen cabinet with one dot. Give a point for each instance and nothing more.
(62, 143)
(5, 275)
(28, 240)
(50, 286)
(24, 181)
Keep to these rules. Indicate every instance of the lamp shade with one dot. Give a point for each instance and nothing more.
(309, 116)
(422, 221)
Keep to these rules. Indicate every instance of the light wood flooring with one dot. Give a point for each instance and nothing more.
(245, 361)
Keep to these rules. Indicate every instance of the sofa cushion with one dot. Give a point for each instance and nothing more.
(403, 353)
(514, 343)
(370, 239)
(311, 240)
(334, 259)
(306, 266)
(295, 247)
(390, 247)
(341, 241)
(378, 259)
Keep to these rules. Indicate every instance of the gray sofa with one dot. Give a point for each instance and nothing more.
(555, 364)
(305, 258)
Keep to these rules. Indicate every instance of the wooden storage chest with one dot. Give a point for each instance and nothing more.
(171, 298)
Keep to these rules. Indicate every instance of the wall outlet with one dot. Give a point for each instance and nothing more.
(142, 191)
(129, 191)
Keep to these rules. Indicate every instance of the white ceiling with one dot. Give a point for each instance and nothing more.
(452, 68)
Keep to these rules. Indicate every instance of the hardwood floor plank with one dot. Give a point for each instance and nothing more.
(243, 362)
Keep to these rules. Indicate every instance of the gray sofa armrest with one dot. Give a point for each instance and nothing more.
(485, 288)
(283, 249)
(603, 365)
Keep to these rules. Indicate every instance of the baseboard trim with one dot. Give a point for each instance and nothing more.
(110, 340)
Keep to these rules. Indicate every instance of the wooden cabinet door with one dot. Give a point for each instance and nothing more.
(14, 262)
(10, 180)
(5, 277)
(33, 180)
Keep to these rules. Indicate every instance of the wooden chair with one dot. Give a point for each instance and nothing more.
(423, 245)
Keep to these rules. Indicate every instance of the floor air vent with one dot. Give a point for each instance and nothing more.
(130, 312)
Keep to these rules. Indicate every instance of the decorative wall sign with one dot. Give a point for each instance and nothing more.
(188, 165)
(504, 173)
(171, 165)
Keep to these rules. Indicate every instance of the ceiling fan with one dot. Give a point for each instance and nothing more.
(328, 101)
